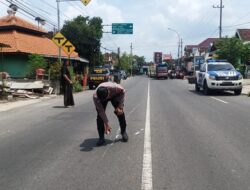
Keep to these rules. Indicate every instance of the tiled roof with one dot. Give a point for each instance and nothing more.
(12, 20)
(33, 44)
(244, 34)
(190, 47)
(206, 43)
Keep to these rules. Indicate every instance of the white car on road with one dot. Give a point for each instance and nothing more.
(218, 75)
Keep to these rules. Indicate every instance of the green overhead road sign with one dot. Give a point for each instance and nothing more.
(122, 28)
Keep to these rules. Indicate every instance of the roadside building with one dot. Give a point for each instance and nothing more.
(22, 38)
(243, 35)
(196, 52)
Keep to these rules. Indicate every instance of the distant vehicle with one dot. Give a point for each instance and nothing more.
(171, 74)
(218, 75)
(97, 76)
(116, 74)
(123, 74)
(152, 71)
(161, 71)
(179, 74)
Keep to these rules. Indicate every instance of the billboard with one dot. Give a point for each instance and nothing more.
(167, 57)
(158, 57)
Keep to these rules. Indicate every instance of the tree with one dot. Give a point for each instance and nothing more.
(125, 62)
(231, 49)
(85, 34)
(140, 60)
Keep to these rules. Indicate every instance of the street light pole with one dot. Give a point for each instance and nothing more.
(179, 41)
(58, 28)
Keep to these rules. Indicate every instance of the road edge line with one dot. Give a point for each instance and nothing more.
(147, 182)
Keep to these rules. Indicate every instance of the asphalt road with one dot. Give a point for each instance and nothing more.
(178, 140)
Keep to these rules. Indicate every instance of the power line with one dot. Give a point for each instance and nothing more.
(22, 13)
(29, 11)
(29, 7)
(237, 25)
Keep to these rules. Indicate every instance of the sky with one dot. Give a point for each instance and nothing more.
(158, 24)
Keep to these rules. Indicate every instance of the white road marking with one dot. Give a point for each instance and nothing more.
(137, 133)
(5, 133)
(219, 100)
(147, 182)
(110, 138)
(133, 110)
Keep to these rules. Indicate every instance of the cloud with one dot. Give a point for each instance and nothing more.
(194, 20)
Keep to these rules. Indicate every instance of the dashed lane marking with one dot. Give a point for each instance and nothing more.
(219, 100)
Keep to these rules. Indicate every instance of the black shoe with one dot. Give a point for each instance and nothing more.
(100, 142)
(125, 137)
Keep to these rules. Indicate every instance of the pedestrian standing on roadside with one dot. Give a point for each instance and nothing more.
(67, 85)
(115, 93)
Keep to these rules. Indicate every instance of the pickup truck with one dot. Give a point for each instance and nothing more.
(97, 76)
(218, 75)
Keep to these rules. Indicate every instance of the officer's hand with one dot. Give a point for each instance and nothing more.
(107, 129)
(118, 111)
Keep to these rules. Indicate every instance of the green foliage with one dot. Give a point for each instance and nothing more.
(76, 85)
(35, 62)
(125, 62)
(230, 49)
(85, 34)
(140, 60)
(55, 71)
(241, 69)
(245, 57)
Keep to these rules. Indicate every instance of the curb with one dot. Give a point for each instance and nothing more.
(20, 103)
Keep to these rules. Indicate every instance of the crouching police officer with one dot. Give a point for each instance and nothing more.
(105, 92)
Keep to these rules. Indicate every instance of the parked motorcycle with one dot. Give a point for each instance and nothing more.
(172, 74)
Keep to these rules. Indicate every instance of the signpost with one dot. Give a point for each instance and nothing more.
(62, 42)
(85, 2)
(68, 47)
(59, 39)
(122, 28)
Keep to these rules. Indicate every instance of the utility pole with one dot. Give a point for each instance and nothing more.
(181, 47)
(131, 55)
(179, 43)
(58, 22)
(118, 54)
(220, 7)
(58, 28)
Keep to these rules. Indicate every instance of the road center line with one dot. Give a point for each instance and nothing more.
(219, 100)
(147, 182)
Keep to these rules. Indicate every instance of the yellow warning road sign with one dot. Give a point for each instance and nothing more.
(85, 2)
(68, 47)
(59, 39)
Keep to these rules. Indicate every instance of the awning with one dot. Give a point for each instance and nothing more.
(83, 60)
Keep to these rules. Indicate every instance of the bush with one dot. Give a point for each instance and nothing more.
(36, 62)
(77, 87)
(55, 71)
(76, 84)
